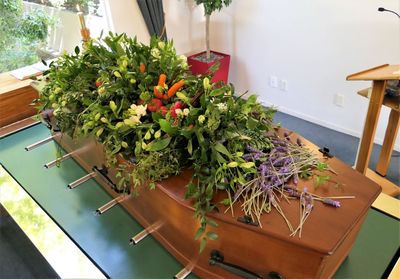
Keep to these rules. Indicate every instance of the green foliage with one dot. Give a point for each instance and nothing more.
(20, 35)
(101, 91)
(34, 26)
(211, 6)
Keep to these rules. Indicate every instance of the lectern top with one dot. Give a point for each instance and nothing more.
(383, 72)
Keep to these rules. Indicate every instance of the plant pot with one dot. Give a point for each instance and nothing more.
(199, 67)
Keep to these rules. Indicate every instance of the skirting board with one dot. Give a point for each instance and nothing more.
(324, 123)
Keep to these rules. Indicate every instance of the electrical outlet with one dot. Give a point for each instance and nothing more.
(273, 81)
(338, 100)
(283, 85)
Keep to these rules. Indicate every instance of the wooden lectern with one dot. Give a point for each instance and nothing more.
(379, 76)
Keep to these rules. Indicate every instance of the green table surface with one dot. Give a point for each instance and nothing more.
(105, 238)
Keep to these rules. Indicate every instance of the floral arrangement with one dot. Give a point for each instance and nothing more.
(141, 102)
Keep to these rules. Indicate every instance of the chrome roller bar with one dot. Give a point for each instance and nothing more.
(58, 160)
(81, 180)
(140, 236)
(41, 142)
(182, 274)
(110, 204)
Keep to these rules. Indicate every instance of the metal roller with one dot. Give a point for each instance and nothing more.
(41, 142)
(81, 180)
(140, 236)
(110, 204)
(182, 274)
(58, 160)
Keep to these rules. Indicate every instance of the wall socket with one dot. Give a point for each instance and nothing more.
(283, 84)
(338, 100)
(273, 81)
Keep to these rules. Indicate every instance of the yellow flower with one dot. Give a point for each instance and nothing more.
(206, 83)
(201, 118)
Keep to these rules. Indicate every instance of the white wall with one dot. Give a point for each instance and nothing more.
(312, 44)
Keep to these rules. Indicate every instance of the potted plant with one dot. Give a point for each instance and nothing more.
(200, 63)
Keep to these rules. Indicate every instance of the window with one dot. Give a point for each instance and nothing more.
(41, 29)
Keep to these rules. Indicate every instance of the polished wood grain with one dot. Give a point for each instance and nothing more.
(371, 122)
(327, 237)
(15, 99)
(17, 126)
(388, 142)
(383, 72)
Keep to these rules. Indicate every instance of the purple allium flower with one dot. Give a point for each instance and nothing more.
(331, 202)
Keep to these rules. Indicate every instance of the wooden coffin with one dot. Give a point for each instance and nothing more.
(327, 236)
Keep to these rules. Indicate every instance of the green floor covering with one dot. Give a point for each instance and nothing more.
(105, 238)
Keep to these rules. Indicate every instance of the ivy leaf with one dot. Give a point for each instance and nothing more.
(166, 127)
(212, 223)
(159, 144)
(199, 233)
(212, 235)
(203, 244)
(222, 149)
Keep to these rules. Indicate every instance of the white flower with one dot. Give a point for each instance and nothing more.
(132, 121)
(183, 59)
(139, 110)
(223, 107)
(178, 111)
(155, 52)
(201, 118)
(186, 112)
(161, 45)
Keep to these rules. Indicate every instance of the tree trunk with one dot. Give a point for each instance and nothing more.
(208, 53)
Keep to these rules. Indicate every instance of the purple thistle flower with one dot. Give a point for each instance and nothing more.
(331, 202)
